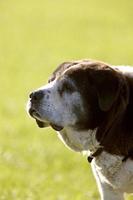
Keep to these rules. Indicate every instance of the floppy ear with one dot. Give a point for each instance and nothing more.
(107, 84)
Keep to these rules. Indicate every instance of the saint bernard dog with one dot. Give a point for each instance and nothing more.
(90, 105)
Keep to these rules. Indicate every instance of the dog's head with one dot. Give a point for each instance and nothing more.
(79, 95)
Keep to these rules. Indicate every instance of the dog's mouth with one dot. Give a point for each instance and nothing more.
(42, 124)
(34, 114)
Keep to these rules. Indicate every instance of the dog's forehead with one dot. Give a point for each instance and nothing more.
(60, 70)
(76, 67)
(64, 67)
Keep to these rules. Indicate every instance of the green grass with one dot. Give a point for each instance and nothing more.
(35, 36)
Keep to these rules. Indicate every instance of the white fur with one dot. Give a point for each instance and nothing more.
(81, 141)
(124, 69)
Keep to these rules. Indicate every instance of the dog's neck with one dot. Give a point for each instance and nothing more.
(80, 141)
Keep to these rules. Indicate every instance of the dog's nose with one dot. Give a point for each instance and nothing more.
(37, 95)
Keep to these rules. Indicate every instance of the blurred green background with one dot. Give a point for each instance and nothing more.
(35, 36)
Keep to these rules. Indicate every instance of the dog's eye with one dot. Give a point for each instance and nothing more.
(66, 87)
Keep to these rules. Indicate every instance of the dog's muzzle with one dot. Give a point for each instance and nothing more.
(35, 98)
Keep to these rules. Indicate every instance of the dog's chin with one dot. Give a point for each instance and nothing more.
(44, 125)
(41, 124)
(56, 127)
(36, 116)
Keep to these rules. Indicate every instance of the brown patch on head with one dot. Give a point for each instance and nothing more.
(60, 69)
(64, 66)
(67, 87)
(107, 83)
(97, 75)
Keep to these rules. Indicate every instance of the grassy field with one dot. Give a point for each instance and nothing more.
(35, 36)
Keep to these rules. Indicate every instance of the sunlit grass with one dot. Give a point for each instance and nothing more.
(35, 36)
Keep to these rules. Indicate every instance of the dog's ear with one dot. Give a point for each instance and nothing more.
(107, 84)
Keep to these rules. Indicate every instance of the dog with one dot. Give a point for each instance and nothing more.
(90, 105)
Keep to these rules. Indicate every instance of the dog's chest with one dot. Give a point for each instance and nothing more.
(113, 171)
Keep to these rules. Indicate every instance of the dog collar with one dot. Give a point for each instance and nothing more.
(95, 154)
(100, 150)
